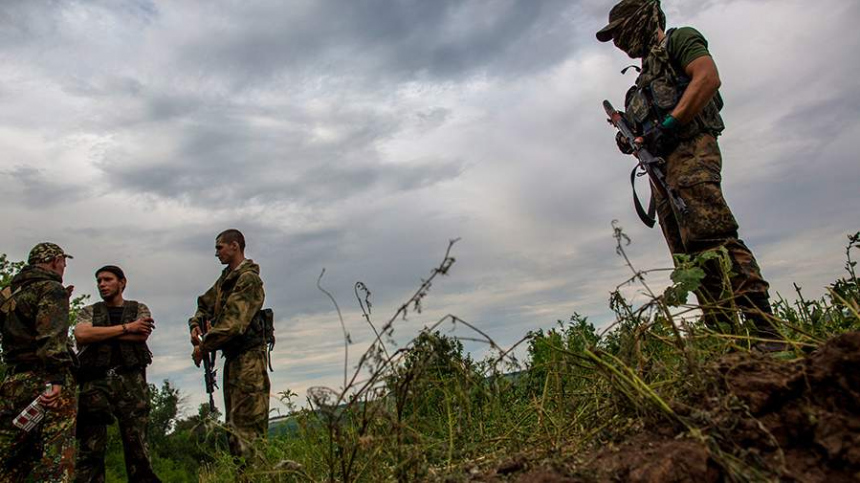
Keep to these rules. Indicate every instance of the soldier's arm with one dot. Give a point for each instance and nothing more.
(704, 83)
(52, 332)
(205, 307)
(137, 331)
(244, 302)
(144, 317)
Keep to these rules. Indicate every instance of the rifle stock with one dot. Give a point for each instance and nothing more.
(652, 165)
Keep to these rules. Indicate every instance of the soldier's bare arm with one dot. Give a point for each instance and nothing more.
(140, 333)
(137, 331)
(704, 83)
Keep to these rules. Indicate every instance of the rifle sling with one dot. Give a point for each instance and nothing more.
(647, 217)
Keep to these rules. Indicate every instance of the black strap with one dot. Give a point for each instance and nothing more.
(647, 217)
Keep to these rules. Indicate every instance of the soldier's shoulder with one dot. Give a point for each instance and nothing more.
(686, 30)
(48, 288)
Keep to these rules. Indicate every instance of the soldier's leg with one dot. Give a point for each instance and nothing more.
(248, 416)
(695, 172)
(18, 450)
(132, 410)
(58, 437)
(94, 415)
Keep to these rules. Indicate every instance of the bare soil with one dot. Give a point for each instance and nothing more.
(763, 419)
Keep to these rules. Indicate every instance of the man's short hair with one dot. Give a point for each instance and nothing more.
(112, 269)
(232, 235)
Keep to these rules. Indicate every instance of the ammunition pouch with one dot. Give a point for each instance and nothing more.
(260, 333)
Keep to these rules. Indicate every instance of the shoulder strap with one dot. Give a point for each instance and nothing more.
(131, 310)
(7, 294)
(101, 317)
(648, 217)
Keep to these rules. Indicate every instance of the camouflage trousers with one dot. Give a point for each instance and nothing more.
(47, 452)
(123, 396)
(246, 400)
(694, 170)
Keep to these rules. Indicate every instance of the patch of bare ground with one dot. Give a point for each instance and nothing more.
(761, 419)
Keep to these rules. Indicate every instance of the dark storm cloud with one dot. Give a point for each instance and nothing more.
(41, 188)
(225, 162)
(385, 39)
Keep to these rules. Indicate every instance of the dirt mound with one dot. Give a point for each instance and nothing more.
(760, 419)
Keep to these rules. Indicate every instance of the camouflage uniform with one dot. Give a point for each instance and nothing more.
(230, 305)
(36, 348)
(113, 385)
(693, 167)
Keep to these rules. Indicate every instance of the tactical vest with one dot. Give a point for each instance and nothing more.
(98, 355)
(657, 91)
(260, 332)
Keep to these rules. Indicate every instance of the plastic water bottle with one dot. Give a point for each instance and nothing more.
(32, 415)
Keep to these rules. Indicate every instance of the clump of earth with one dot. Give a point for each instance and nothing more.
(762, 419)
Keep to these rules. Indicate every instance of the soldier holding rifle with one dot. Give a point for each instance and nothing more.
(674, 112)
(229, 313)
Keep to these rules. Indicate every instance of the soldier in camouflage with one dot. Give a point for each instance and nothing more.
(34, 318)
(675, 106)
(111, 337)
(230, 309)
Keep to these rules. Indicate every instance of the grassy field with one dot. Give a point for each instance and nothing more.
(428, 411)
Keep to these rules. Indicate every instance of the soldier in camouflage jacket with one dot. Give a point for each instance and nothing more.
(228, 309)
(35, 330)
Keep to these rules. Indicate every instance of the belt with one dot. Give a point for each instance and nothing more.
(109, 373)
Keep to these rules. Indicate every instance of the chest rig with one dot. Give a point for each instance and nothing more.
(99, 355)
(260, 332)
(657, 91)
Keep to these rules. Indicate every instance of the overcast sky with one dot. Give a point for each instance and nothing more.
(360, 136)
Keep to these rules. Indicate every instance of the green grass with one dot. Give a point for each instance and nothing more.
(431, 412)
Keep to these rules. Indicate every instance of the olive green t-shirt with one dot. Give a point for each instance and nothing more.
(685, 45)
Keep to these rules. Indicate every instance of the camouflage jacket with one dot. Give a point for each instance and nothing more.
(230, 305)
(35, 323)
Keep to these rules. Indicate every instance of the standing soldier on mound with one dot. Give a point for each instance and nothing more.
(229, 313)
(112, 336)
(674, 107)
(34, 318)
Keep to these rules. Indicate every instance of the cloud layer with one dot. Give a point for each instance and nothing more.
(360, 136)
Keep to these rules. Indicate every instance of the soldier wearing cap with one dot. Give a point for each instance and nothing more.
(34, 317)
(111, 336)
(675, 108)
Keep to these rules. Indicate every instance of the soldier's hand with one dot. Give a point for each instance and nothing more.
(143, 325)
(661, 141)
(51, 399)
(195, 336)
(69, 290)
(197, 355)
(623, 145)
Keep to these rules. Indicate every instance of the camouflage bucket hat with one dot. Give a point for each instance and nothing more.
(45, 252)
(618, 15)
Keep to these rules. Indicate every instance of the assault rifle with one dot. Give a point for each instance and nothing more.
(653, 166)
(209, 370)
